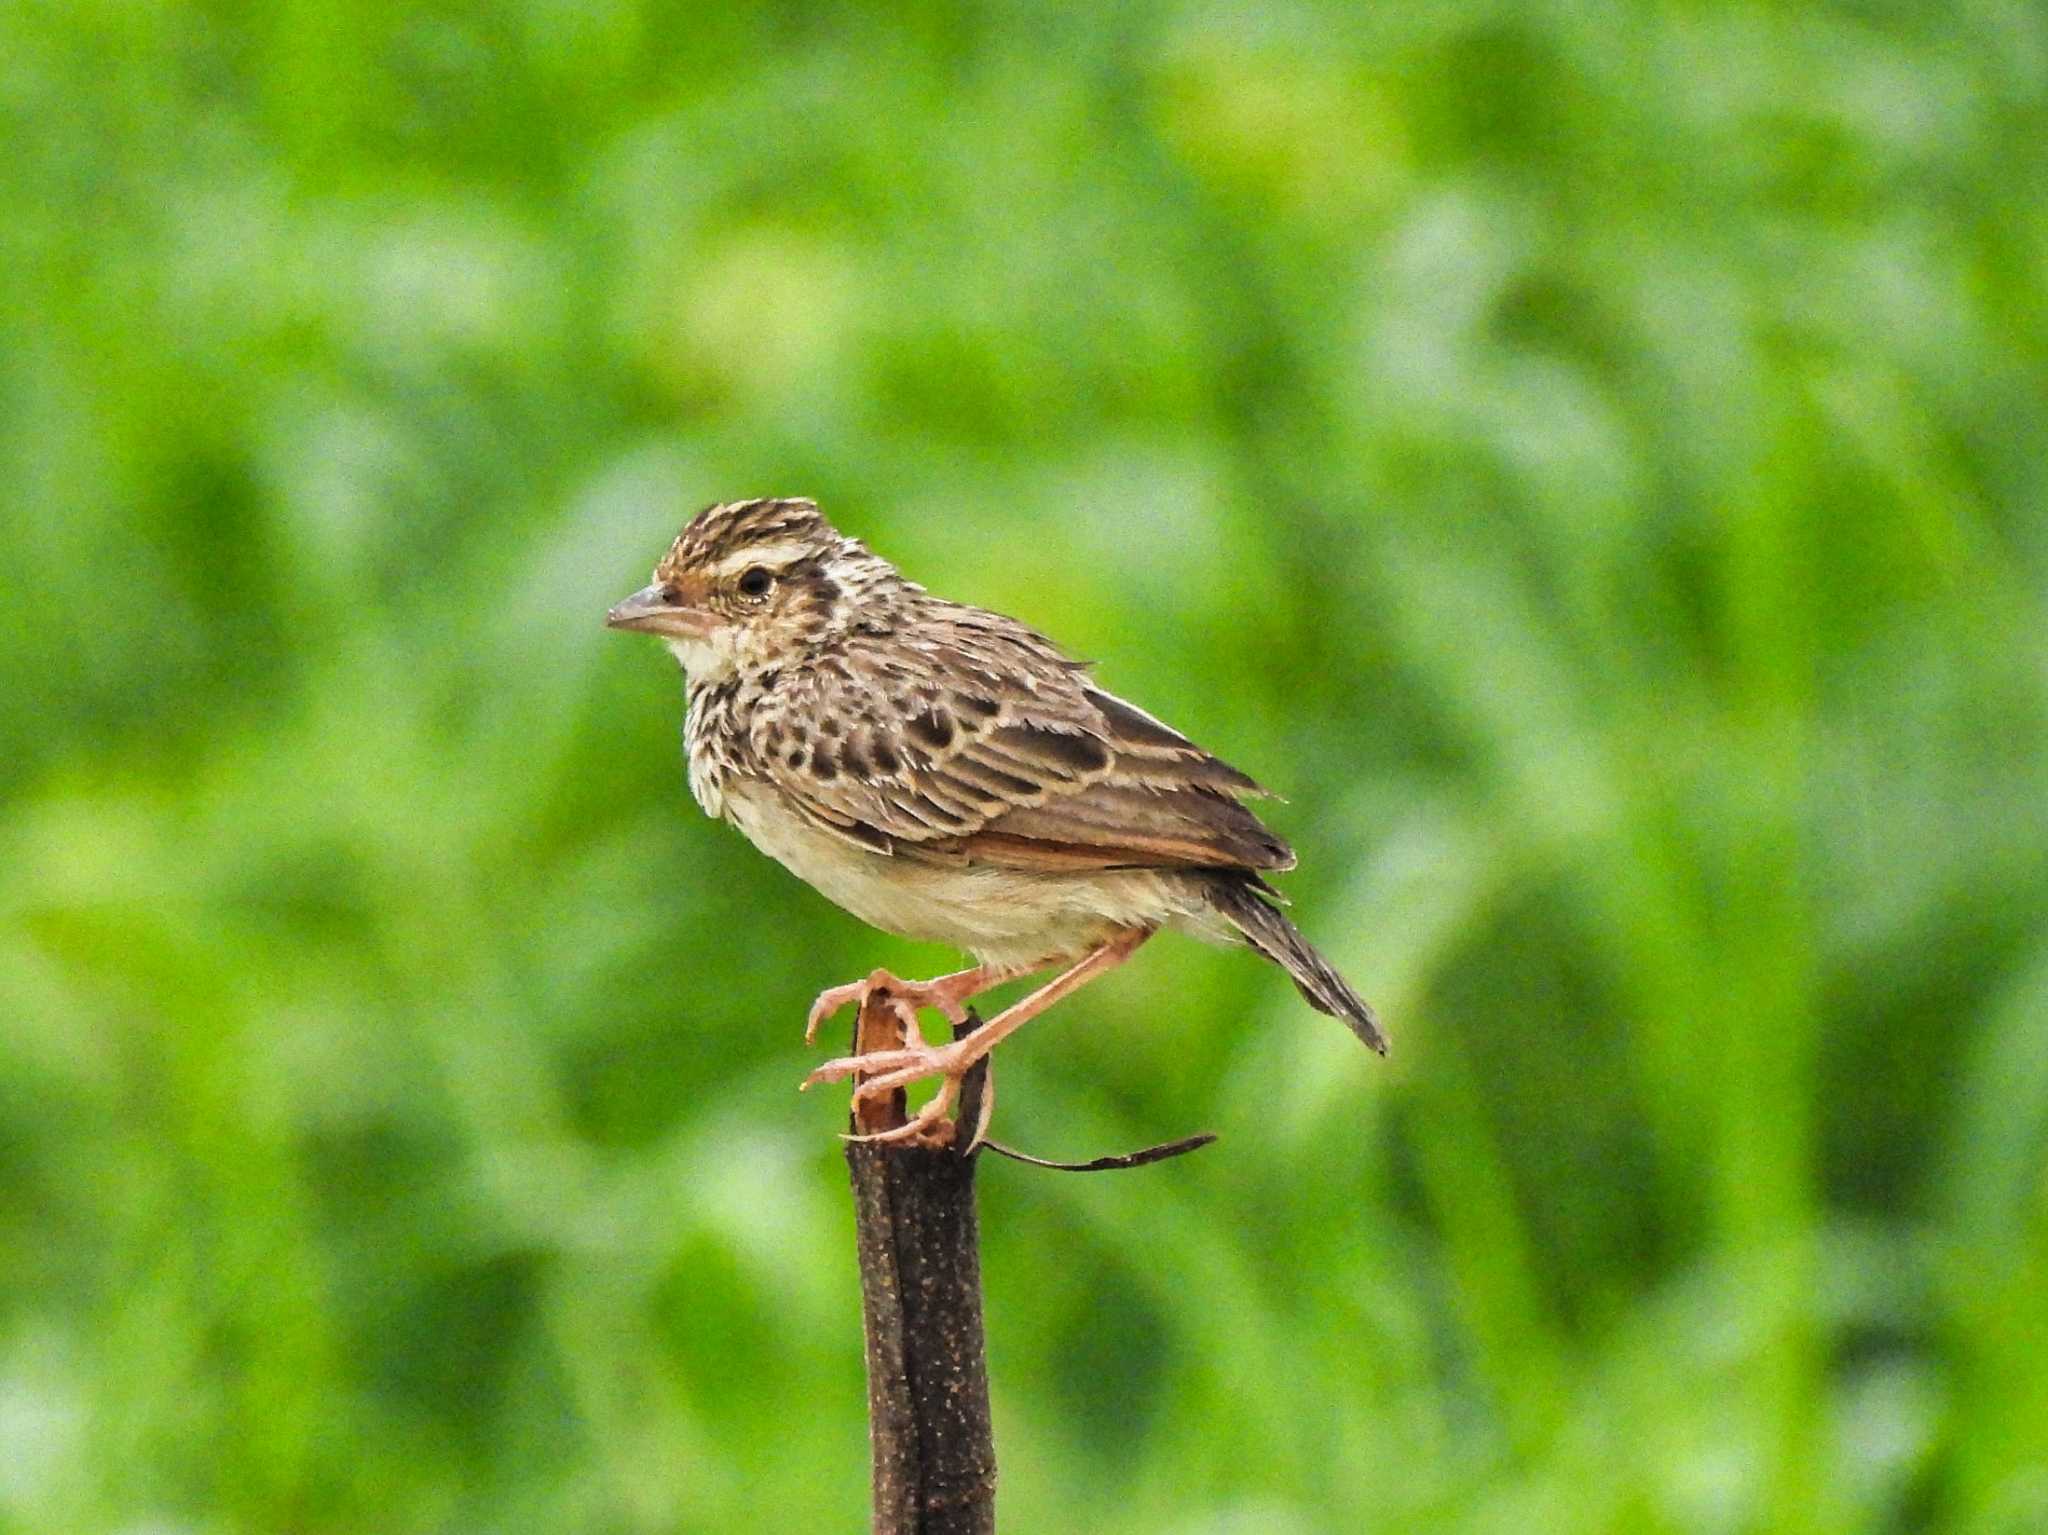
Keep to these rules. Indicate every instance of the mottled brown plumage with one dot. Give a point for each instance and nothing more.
(946, 773)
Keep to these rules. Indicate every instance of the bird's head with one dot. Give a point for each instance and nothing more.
(751, 584)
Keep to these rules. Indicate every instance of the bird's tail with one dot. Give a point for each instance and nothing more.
(1266, 929)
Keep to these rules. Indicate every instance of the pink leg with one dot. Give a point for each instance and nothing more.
(883, 1071)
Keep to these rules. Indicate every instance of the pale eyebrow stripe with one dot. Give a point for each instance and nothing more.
(774, 555)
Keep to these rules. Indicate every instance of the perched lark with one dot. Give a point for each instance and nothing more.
(945, 773)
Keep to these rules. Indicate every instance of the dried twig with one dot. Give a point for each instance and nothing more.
(920, 1281)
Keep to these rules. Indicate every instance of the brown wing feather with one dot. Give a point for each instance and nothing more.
(991, 746)
(1129, 826)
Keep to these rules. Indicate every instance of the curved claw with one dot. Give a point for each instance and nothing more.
(925, 1123)
(888, 1061)
(830, 1001)
(887, 1070)
(988, 1106)
(882, 1072)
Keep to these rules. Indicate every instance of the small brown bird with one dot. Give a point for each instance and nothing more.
(946, 774)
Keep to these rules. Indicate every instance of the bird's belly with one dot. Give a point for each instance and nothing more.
(1001, 916)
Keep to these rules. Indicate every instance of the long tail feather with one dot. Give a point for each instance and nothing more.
(1268, 931)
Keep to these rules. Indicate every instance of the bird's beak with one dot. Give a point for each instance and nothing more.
(657, 610)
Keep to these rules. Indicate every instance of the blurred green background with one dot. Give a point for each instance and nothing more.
(1590, 457)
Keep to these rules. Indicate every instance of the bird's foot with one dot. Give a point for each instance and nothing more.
(949, 994)
(882, 1072)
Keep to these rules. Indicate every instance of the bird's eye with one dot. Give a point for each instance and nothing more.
(755, 581)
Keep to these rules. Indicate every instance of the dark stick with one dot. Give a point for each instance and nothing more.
(920, 1284)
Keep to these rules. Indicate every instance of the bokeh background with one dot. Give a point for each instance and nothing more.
(1590, 457)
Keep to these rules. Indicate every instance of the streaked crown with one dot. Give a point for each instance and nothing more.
(769, 530)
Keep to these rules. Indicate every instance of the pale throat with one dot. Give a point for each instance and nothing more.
(707, 660)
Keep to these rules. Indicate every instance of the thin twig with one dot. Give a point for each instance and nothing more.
(1118, 1163)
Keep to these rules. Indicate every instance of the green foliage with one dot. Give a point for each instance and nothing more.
(1591, 458)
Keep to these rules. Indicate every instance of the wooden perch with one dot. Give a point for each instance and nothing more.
(920, 1281)
(920, 1289)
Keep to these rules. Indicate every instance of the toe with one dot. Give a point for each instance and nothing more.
(883, 1083)
(906, 1013)
(927, 1124)
(902, 1132)
(892, 1069)
(889, 1061)
(830, 1001)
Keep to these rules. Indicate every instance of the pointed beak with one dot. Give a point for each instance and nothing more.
(659, 610)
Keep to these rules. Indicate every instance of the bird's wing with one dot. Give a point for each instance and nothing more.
(981, 742)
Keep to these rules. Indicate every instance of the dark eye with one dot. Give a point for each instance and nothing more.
(755, 581)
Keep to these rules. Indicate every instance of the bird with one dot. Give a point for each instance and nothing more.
(950, 775)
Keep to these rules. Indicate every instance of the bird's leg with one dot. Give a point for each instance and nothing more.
(950, 994)
(883, 1071)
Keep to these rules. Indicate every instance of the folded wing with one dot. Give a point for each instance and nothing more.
(989, 746)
